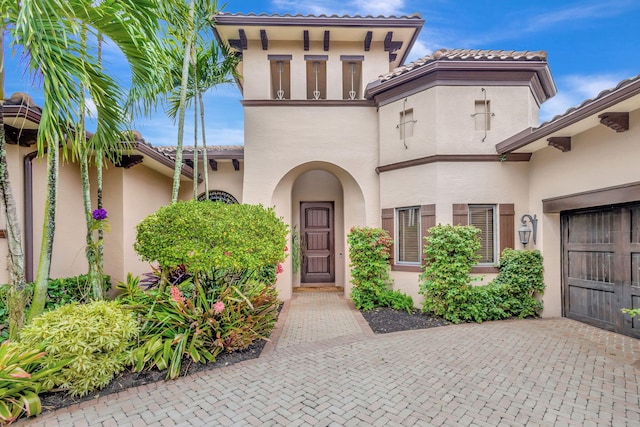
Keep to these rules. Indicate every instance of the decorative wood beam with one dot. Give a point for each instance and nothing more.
(22, 137)
(387, 41)
(367, 41)
(236, 164)
(213, 164)
(243, 39)
(395, 46)
(392, 56)
(306, 39)
(188, 162)
(326, 41)
(562, 143)
(616, 121)
(236, 44)
(129, 161)
(264, 39)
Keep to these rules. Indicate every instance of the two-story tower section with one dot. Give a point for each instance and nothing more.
(311, 136)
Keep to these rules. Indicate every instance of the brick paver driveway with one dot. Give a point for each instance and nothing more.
(525, 372)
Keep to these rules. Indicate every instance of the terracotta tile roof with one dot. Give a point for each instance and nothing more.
(586, 103)
(466, 55)
(626, 89)
(288, 15)
(170, 150)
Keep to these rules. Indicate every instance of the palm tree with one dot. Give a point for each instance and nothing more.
(48, 33)
(212, 65)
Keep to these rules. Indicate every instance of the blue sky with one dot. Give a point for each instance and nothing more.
(591, 45)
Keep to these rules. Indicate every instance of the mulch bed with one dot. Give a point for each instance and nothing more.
(384, 320)
(381, 321)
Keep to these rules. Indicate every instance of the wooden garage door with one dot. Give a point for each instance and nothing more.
(600, 267)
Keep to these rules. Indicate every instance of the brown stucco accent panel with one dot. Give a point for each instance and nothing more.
(460, 214)
(307, 103)
(602, 197)
(409, 268)
(506, 225)
(388, 224)
(427, 220)
(514, 157)
(482, 269)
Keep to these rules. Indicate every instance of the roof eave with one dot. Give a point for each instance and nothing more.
(531, 135)
(544, 91)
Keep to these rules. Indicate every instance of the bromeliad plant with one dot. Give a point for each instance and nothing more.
(21, 381)
(196, 322)
(221, 297)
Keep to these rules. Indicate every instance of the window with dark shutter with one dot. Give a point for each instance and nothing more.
(408, 243)
(483, 217)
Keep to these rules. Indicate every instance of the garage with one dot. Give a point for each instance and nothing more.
(601, 261)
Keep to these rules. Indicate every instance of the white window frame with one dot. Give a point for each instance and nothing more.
(494, 209)
(418, 218)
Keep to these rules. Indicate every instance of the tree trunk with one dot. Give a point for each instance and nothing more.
(182, 108)
(16, 296)
(195, 123)
(92, 248)
(205, 160)
(48, 232)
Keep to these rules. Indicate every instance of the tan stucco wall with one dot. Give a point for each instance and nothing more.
(144, 192)
(444, 122)
(282, 143)
(446, 184)
(599, 158)
(69, 245)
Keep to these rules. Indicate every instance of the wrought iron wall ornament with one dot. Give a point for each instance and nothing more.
(218, 196)
(280, 91)
(352, 92)
(316, 71)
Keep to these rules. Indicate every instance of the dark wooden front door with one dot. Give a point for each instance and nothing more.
(316, 226)
(600, 267)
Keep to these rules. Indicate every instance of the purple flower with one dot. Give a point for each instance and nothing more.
(99, 214)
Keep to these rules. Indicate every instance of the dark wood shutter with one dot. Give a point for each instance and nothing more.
(427, 220)
(506, 226)
(460, 214)
(388, 226)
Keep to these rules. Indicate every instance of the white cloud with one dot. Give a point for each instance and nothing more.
(419, 50)
(90, 106)
(336, 7)
(576, 88)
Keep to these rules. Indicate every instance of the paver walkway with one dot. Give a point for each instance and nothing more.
(552, 372)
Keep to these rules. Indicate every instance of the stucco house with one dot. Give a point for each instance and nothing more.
(341, 132)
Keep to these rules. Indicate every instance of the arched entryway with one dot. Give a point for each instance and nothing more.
(321, 202)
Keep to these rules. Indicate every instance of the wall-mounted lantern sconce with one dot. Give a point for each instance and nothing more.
(524, 232)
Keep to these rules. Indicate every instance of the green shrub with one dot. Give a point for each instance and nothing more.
(207, 236)
(198, 322)
(59, 292)
(66, 290)
(96, 336)
(521, 278)
(20, 381)
(369, 249)
(450, 254)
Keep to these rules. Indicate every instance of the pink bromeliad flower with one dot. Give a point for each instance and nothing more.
(176, 295)
(218, 307)
(279, 269)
